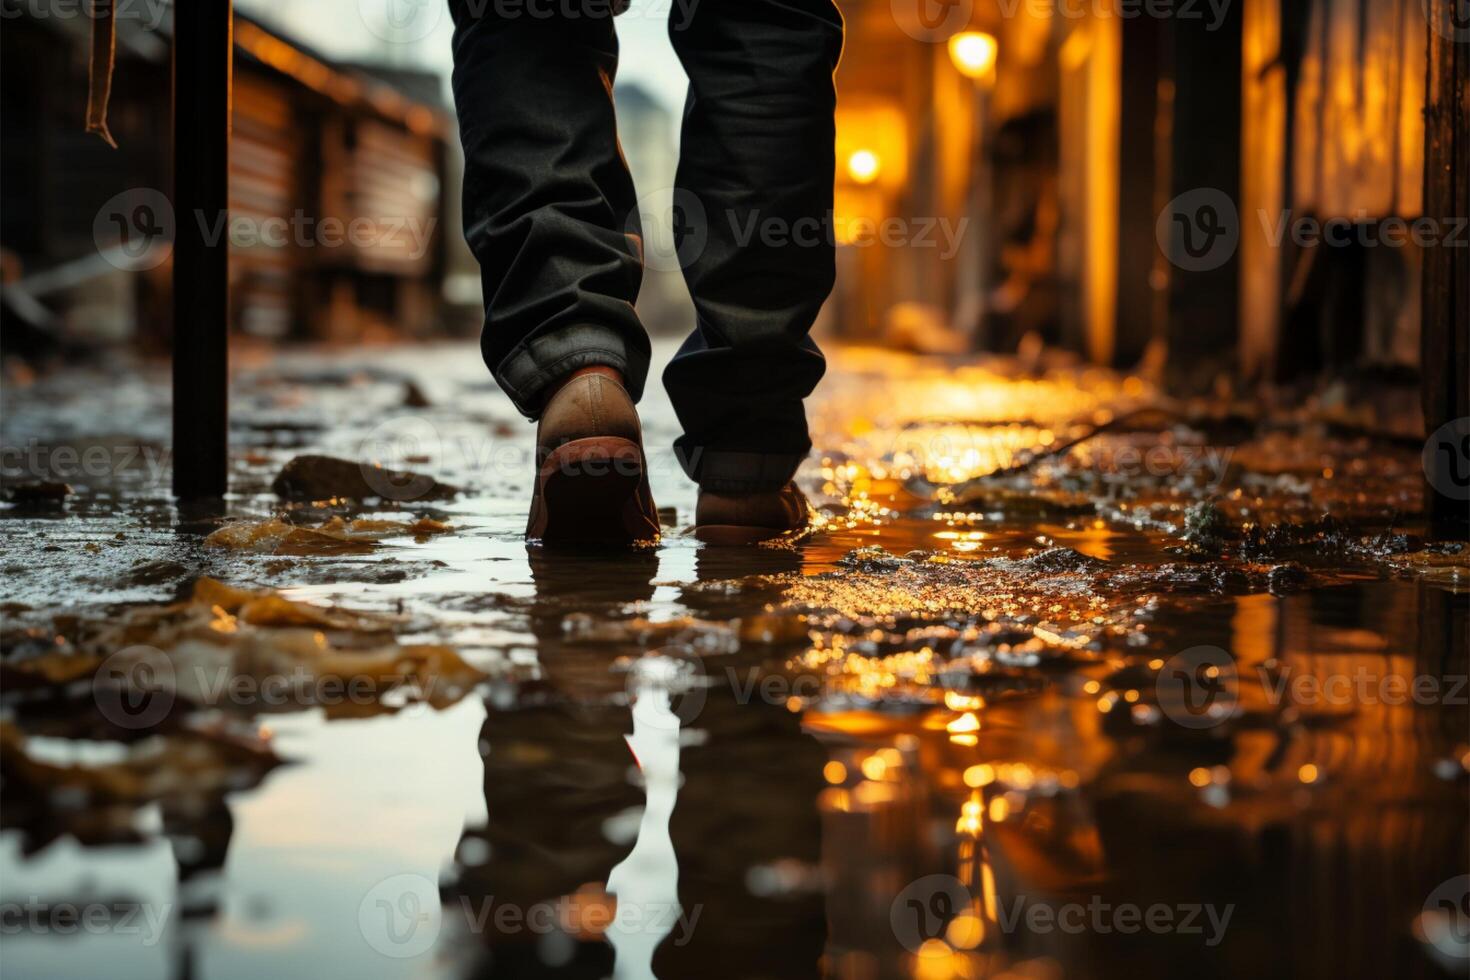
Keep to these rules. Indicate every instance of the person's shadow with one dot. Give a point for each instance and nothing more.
(566, 805)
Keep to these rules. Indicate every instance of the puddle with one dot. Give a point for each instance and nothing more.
(1066, 681)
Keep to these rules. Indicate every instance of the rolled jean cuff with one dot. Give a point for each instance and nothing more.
(538, 362)
(723, 471)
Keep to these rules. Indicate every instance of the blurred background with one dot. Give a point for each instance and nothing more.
(1007, 177)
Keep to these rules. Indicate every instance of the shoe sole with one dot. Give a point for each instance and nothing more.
(593, 492)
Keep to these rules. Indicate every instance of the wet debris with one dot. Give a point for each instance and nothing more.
(38, 658)
(38, 493)
(240, 649)
(313, 477)
(1444, 564)
(899, 631)
(1206, 531)
(335, 536)
(94, 790)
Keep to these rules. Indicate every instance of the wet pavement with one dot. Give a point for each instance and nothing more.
(1068, 680)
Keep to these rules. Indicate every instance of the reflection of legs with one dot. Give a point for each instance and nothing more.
(748, 806)
(547, 197)
(556, 771)
(748, 837)
(757, 157)
(553, 776)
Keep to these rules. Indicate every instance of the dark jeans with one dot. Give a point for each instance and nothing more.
(551, 214)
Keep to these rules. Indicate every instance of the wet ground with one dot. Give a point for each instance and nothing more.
(1069, 680)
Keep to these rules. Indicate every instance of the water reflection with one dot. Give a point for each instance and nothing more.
(951, 754)
(691, 839)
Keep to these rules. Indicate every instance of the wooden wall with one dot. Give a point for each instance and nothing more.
(1333, 128)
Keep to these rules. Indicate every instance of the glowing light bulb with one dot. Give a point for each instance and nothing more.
(973, 53)
(863, 166)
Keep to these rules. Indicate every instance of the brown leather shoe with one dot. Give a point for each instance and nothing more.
(747, 518)
(592, 481)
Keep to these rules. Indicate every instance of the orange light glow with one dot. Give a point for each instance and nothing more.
(863, 166)
(973, 53)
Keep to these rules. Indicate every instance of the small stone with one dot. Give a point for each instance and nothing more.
(41, 492)
(325, 477)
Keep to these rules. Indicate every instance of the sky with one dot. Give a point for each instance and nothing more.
(416, 33)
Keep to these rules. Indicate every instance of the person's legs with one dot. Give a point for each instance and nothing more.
(549, 205)
(550, 213)
(756, 157)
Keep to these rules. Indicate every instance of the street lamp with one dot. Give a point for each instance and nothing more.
(973, 53)
(863, 166)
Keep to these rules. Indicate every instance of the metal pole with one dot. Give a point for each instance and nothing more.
(202, 54)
